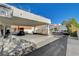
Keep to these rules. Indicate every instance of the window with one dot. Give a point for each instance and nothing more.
(5, 12)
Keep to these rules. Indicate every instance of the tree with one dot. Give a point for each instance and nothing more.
(73, 21)
(71, 25)
(67, 24)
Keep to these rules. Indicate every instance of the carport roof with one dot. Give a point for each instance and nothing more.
(21, 17)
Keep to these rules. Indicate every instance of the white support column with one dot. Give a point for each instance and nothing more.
(4, 30)
(49, 33)
(34, 29)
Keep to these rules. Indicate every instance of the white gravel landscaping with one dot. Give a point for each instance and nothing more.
(15, 46)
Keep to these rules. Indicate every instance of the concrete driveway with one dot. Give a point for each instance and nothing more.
(55, 48)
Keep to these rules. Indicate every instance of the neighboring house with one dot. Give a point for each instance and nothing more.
(57, 27)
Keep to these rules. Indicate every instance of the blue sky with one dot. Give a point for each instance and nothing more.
(57, 12)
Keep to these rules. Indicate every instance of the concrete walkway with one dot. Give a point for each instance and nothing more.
(72, 47)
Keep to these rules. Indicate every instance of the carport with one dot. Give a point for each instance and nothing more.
(10, 15)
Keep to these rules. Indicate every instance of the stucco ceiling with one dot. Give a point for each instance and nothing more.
(19, 21)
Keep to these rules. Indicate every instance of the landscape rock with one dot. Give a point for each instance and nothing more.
(15, 47)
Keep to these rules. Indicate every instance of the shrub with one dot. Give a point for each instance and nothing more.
(74, 34)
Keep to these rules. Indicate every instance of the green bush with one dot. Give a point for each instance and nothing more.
(74, 34)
